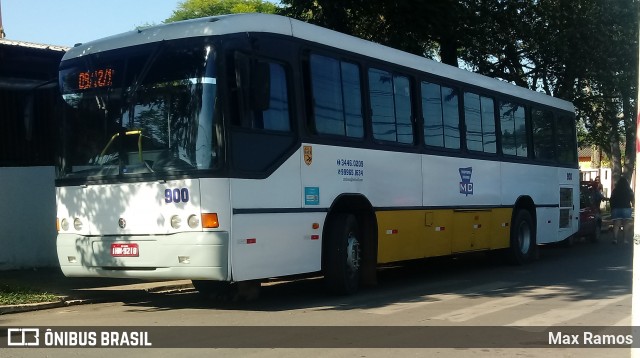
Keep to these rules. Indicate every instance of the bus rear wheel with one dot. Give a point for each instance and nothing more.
(342, 256)
(523, 238)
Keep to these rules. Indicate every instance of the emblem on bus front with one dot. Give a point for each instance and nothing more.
(122, 223)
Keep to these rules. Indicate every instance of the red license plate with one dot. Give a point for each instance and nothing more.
(125, 250)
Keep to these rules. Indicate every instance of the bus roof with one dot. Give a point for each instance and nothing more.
(255, 22)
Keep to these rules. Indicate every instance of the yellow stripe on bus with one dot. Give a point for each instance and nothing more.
(413, 234)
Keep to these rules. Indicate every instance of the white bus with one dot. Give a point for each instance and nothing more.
(246, 147)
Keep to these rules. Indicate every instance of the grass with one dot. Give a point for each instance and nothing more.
(14, 295)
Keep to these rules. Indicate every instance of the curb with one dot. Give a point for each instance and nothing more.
(169, 288)
(68, 301)
(31, 307)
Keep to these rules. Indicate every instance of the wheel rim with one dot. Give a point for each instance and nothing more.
(353, 254)
(524, 237)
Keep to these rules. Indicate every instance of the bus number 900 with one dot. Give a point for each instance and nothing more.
(176, 195)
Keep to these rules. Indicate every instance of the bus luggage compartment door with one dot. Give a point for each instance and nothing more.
(471, 230)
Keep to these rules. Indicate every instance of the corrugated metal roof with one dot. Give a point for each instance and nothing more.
(8, 42)
(26, 65)
(585, 151)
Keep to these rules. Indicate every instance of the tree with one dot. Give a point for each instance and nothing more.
(603, 77)
(584, 51)
(419, 27)
(191, 9)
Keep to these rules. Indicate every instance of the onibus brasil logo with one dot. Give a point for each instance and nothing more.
(466, 186)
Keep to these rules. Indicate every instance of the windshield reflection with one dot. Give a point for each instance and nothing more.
(146, 110)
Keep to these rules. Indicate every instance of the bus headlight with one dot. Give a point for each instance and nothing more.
(193, 221)
(64, 224)
(175, 222)
(77, 224)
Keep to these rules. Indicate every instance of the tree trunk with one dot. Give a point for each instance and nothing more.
(629, 135)
(596, 157)
(449, 51)
(616, 155)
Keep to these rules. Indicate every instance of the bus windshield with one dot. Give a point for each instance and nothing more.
(144, 110)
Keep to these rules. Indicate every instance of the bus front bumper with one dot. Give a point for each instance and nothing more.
(188, 255)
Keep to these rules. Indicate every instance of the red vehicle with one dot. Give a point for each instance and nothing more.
(590, 216)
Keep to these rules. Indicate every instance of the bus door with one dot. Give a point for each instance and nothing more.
(569, 212)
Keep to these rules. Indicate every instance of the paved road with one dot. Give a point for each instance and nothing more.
(588, 285)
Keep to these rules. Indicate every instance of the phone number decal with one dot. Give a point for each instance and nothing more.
(350, 169)
(350, 163)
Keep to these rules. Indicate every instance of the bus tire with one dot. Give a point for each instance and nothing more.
(342, 256)
(523, 238)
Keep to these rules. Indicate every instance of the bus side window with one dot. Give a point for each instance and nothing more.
(542, 123)
(514, 129)
(441, 117)
(262, 94)
(276, 116)
(566, 140)
(480, 123)
(488, 125)
(390, 107)
(337, 99)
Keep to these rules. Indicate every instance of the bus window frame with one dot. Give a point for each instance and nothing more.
(378, 65)
(461, 151)
(298, 60)
(554, 133)
(251, 47)
(527, 122)
(306, 79)
(480, 95)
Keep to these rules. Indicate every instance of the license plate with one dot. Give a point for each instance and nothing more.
(125, 250)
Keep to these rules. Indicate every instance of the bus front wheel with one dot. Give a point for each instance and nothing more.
(523, 238)
(343, 258)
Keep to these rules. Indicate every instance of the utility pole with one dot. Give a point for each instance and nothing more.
(2, 34)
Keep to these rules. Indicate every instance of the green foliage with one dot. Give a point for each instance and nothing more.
(14, 295)
(191, 9)
(412, 26)
(584, 51)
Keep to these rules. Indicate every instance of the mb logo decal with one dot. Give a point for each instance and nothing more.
(466, 186)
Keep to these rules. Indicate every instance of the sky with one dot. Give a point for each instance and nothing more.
(68, 22)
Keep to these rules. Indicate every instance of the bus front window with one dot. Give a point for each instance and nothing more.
(145, 110)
